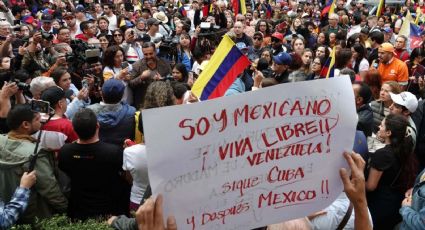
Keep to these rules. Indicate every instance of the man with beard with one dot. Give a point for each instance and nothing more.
(17, 148)
(145, 71)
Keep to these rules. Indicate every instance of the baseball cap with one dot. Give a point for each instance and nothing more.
(53, 95)
(282, 58)
(80, 8)
(46, 18)
(152, 21)
(386, 47)
(388, 30)
(406, 99)
(278, 36)
(113, 88)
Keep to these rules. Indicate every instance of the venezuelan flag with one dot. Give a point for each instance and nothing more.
(329, 8)
(380, 7)
(411, 31)
(224, 66)
(328, 69)
(182, 10)
(239, 7)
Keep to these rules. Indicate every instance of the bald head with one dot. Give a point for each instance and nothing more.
(238, 28)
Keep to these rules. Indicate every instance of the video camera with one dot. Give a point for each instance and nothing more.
(168, 48)
(81, 53)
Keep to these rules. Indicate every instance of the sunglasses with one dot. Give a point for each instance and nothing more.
(275, 40)
(258, 38)
(117, 35)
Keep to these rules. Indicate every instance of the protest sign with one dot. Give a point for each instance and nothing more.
(253, 159)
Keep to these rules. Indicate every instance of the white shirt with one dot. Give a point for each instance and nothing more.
(112, 22)
(334, 215)
(135, 161)
(128, 93)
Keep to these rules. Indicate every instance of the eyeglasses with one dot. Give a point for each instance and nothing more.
(117, 35)
(258, 38)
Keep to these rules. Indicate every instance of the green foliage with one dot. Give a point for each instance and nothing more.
(62, 222)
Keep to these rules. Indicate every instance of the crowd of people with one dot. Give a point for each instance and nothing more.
(75, 75)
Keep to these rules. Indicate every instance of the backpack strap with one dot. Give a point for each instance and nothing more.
(347, 216)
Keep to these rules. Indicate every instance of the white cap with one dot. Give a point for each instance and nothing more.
(406, 99)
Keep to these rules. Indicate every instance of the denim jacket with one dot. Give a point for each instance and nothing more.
(414, 216)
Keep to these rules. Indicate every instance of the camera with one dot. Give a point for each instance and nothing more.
(21, 85)
(40, 106)
(46, 35)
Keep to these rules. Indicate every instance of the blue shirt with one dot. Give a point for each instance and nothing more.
(10, 212)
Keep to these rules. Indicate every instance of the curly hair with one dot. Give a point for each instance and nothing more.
(159, 94)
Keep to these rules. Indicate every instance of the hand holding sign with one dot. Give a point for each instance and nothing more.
(150, 216)
(254, 159)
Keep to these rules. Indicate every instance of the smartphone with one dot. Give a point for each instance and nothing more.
(85, 83)
(124, 64)
(40, 106)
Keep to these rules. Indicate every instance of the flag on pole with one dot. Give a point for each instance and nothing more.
(380, 8)
(327, 8)
(182, 10)
(328, 69)
(239, 7)
(221, 71)
(411, 31)
(418, 15)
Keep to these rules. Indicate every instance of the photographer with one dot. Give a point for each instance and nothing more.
(132, 49)
(17, 148)
(36, 57)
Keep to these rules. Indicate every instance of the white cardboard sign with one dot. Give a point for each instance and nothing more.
(253, 159)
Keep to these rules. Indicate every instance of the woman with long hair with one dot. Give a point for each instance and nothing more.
(113, 59)
(117, 37)
(184, 54)
(360, 64)
(298, 45)
(158, 94)
(416, 70)
(316, 68)
(264, 27)
(391, 172)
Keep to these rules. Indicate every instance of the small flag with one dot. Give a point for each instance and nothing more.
(332, 9)
(411, 31)
(239, 7)
(269, 12)
(328, 69)
(182, 10)
(327, 8)
(221, 71)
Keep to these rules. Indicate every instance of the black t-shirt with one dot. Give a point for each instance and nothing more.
(385, 160)
(97, 187)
